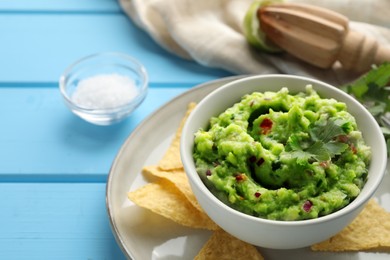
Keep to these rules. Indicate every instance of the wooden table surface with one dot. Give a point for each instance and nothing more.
(53, 165)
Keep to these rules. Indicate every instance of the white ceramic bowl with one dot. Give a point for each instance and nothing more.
(117, 85)
(272, 233)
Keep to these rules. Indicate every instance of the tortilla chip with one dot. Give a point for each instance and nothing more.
(179, 179)
(171, 159)
(166, 200)
(222, 245)
(370, 230)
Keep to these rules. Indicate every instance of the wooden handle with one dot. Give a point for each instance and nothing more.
(359, 52)
(320, 37)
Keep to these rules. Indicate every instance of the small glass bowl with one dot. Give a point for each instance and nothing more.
(106, 65)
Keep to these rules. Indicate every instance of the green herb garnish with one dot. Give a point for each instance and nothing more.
(322, 144)
(373, 91)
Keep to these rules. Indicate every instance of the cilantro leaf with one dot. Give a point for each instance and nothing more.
(297, 152)
(336, 148)
(332, 128)
(301, 157)
(318, 151)
(321, 145)
(373, 92)
(370, 84)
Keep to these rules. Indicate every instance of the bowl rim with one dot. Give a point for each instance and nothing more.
(357, 203)
(141, 70)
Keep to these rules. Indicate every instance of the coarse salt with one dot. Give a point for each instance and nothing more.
(105, 91)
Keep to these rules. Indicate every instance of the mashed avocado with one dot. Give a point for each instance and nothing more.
(281, 156)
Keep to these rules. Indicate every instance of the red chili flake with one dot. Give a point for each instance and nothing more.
(260, 162)
(240, 177)
(324, 164)
(252, 159)
(257, 194)
(307, 205)
(343, 138)
(208, 172)
(266, 126)
(353, 148)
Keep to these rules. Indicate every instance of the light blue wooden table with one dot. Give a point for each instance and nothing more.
(53, 165)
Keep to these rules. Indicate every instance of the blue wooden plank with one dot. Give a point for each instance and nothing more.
(55, 221)
(53, 165)
(37, 48)
(40, 139)
(59, 6)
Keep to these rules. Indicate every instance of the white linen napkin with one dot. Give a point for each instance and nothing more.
(210, 32)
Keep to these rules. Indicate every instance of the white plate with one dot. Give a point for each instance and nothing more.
(145, 235)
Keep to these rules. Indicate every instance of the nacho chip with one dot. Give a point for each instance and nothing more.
(166, 200)
(370, 230)
(222, 245)
(171, 159)
(179, 179)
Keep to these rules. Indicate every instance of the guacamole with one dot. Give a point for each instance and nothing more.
(283, 156)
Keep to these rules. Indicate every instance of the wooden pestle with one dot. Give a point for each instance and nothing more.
(320, 36)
